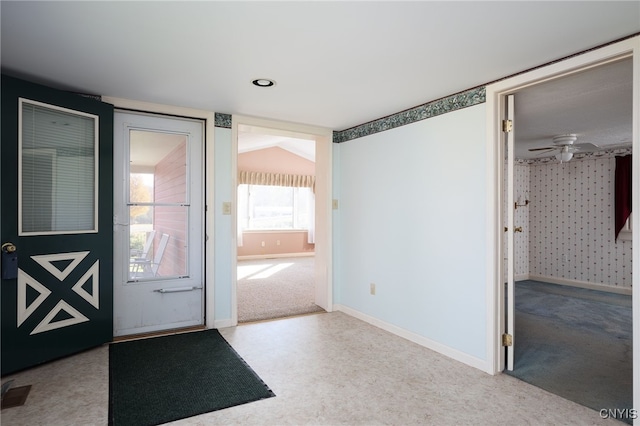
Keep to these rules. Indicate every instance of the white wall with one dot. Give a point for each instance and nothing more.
(337, 227)
(224, 250)
(412, 221)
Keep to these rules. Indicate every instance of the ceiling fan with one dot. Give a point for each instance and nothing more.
(565, 146)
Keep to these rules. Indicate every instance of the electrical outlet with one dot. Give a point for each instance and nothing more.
(277, 242)
(262, 244)
(372, 289)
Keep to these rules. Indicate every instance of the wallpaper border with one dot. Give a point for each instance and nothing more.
(222, 120)
(451, 103)
(421, 112)
(581, 156)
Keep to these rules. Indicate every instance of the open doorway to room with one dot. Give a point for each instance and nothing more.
(567, 266)
(276, 267)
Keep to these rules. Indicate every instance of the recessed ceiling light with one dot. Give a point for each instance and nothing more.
(263, 82)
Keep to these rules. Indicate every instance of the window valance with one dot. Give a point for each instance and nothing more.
(276, 179)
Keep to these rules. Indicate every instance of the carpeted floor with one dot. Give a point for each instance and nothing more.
(575, 343)
(276, 288)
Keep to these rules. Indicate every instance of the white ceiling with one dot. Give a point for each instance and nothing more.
(595, 104)
(147, 149)
(336, 64)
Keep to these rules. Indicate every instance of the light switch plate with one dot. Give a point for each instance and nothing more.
(226, 207)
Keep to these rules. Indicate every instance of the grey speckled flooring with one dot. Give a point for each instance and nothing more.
(325, 369)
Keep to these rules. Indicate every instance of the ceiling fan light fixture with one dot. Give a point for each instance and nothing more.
(564, 155)
(567, 139)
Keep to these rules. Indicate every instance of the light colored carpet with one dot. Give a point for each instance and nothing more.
(275, 288)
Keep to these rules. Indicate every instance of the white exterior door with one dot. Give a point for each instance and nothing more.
(159, 223)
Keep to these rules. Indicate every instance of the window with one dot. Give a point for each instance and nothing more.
(265, 207)
(58, 167)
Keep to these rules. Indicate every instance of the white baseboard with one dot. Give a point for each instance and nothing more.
(276, 255)
(416, 338)
(581, 284)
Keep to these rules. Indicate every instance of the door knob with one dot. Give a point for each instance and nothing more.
(518, 229)
(8, 248)
(9, 262)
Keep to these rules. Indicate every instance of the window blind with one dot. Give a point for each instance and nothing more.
(57, 169)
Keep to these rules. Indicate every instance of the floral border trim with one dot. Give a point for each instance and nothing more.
(431, 109)
(582, 156)
(222, 120)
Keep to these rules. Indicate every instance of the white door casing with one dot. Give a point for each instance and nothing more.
(323, 228)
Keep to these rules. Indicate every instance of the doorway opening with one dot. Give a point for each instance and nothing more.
(276, 225)
(280, 208)
(562, 259)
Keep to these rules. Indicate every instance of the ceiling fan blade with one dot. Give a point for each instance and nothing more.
(547, 148)
(585, 147)
(615, 146)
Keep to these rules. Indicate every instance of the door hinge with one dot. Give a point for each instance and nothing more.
(507, 339)
(507, 125)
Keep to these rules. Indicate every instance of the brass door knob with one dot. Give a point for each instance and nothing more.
(8, 247)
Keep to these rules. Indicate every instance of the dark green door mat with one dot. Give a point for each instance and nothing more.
(162, 379)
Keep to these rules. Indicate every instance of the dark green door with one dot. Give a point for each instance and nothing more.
(56, 205)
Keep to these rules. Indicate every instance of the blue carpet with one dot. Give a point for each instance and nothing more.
(575, 343)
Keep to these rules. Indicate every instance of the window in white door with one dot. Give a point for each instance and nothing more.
(158, 205)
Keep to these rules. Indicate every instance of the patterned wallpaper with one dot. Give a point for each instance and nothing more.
(521, 218)
(568, 224)
(222, 120)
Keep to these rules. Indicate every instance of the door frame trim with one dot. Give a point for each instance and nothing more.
(495, 95)
(324, 173)
(209, 127)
